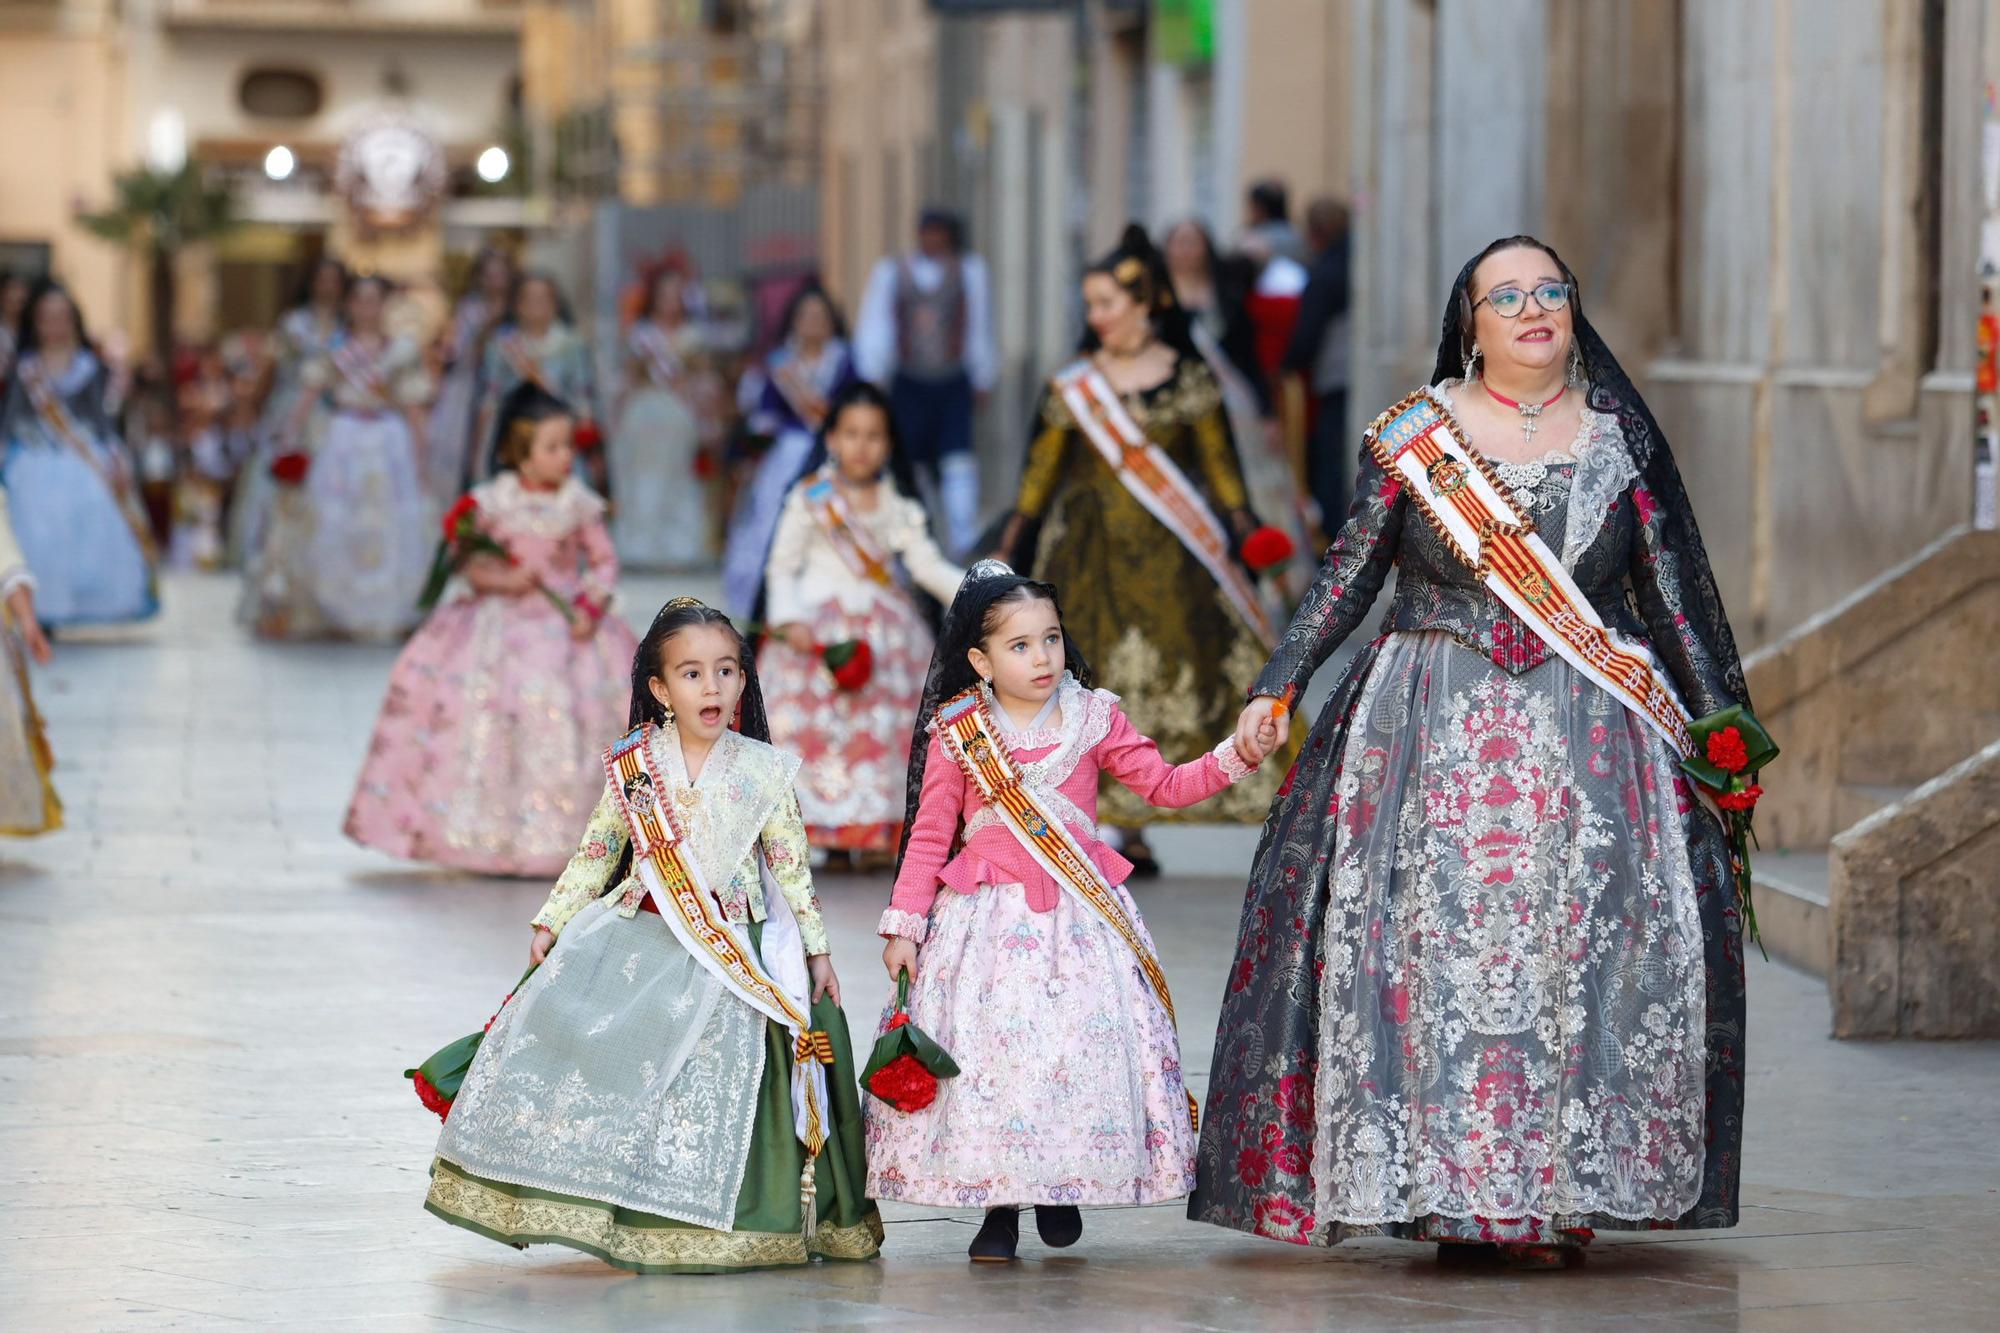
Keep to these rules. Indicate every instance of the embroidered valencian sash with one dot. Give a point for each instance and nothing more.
(526, 364)
(1419, 443)
(800, 392)
(851, 540)
(966, 732)
(663, 364)
(673, 879)
(55, 414)
(1157, 482)
(360, 368)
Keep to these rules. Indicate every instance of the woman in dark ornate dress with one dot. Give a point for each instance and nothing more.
(1488, 985)
(1161, 605)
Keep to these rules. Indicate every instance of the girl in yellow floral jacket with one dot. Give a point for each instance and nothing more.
(672, 1090)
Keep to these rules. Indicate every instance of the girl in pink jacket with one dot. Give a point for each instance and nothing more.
(1031, 965)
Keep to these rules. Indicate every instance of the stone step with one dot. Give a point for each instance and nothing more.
(1858, 800)
(1790, 889)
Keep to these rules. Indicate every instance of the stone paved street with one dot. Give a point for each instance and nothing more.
(209, 997)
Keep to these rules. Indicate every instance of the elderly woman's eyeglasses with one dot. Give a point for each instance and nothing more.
(1509, 302)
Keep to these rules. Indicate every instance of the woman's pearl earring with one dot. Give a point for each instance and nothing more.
(1472, 364)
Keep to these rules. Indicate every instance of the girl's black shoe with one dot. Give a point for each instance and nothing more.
(1059, 1227)
(998, 1236)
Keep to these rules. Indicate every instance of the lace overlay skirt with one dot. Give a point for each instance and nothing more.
(1512, 1009)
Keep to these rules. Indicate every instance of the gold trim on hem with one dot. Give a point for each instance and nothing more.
(592, 1227)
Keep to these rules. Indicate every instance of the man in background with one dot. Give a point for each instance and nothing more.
(925, 331)
(1319, 352)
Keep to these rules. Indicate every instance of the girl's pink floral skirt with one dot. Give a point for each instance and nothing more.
(1070, 1087)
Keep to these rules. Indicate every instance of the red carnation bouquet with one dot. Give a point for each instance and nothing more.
(464, 538)
(906, 1065)
(1730, 747)
(439, 1078)
(1266, 548)
(290, 468)
(851, 662)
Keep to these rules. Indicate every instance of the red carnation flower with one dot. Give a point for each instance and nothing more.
(899, 1020)
(904, 1084)
(433, 1100)
(1740, 800)
(1727, 751)
(290, 469)
(466, 507)
(851, 661)
(588, 436)
(1265, 547)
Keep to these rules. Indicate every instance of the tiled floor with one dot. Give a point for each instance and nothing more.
(207, 997)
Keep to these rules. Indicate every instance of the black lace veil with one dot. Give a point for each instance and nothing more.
(1611, 391)
(986, 584)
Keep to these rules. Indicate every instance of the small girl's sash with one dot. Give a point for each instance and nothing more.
(663, 365)
(852, 542)
(799, 391)
(673, 880)
(526, 364)
(1157, 482)
(360, 368)
(1419, 443)
(967, 734)
(48, 405)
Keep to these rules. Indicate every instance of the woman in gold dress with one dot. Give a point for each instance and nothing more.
(1146, 552)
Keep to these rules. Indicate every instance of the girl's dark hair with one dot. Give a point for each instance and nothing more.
(526, 407)
(521, 283)
(26, 338)
(863, 393)
(679, 614)
(1463, 291)
(1137, 266)
(989, 588)
(302, 295)
(812, 290)
(902, 472)
(487, 254)
(687, 613)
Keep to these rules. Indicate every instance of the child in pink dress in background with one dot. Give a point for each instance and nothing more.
(485, 757)
(1043, 985)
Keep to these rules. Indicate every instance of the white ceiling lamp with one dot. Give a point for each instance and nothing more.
(493, 165)
(280, 163)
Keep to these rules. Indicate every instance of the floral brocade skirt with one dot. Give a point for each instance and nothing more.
(855, 745)
(485, 756)
(1489, 980)
(1069, 1090)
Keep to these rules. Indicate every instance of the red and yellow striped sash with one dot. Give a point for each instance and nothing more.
(1158, 483)
(1419, 443)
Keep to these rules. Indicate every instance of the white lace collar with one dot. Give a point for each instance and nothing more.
(1604, 467)
(724, 810)
(1038, 734)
